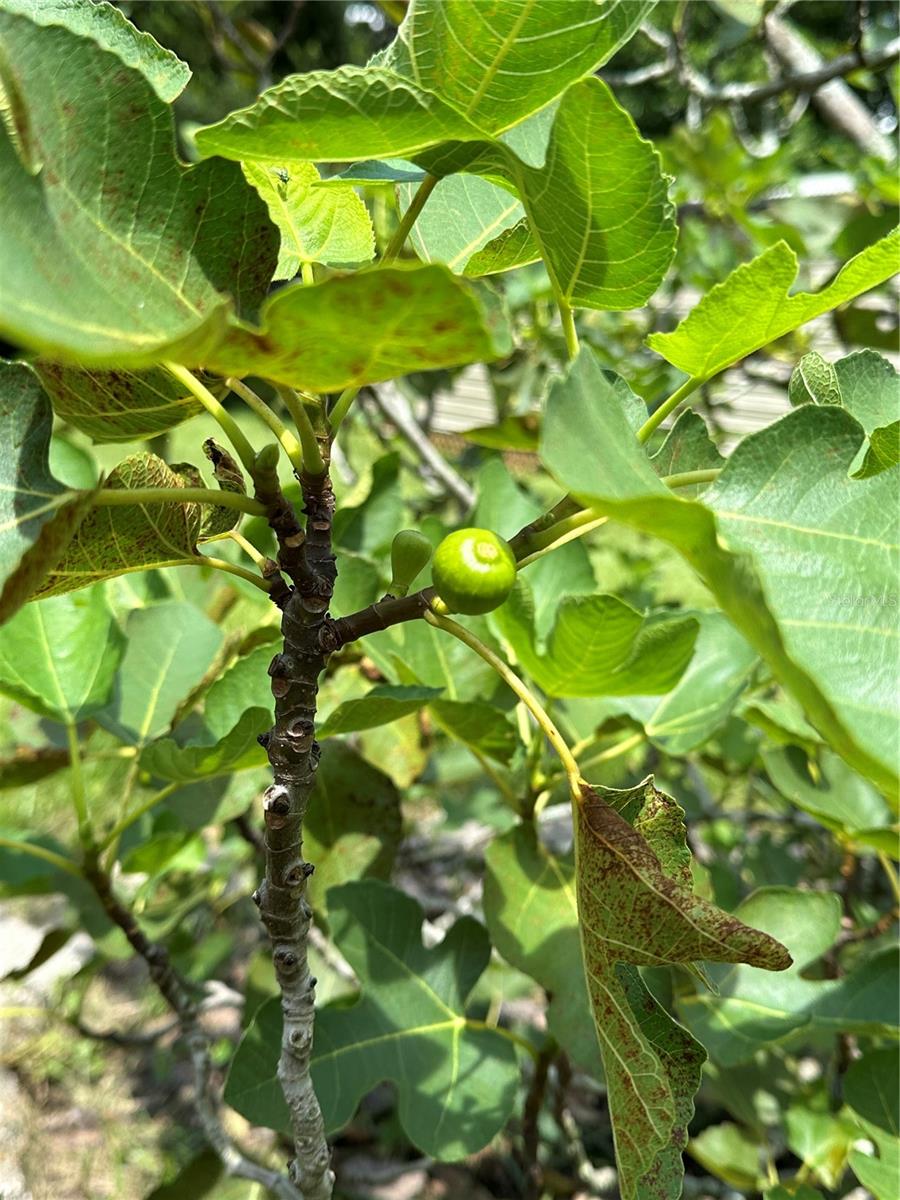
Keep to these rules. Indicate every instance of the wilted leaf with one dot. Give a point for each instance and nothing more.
(637, 908)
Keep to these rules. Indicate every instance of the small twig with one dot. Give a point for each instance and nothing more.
(395, 406)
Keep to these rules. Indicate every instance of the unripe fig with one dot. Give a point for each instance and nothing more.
(474, 571)
(410, 552)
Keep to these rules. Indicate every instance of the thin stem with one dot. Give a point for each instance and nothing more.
(395, 245)
(888, 869)
(289, 443)
(659, 415)
(76, 786)
(248, 548)
(48, 856)
(341, 407)
(313, 463)
(568, 324)
(516, 1038)
(619, 748)
(202, 560)
(688, 478)
(564, 531)
(136, 813)
(511, 679)
(117, 496)
(308, 273)
(230, 428)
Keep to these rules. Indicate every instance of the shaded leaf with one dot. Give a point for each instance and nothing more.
(38, 514)
(455, 1081)
(463, 216)
(246, 684)
(237, 750)
(477, 725)
(402, 319)
(637, 908)
(730, 1154)
(870, 1088)
(754, 1010)
(59, 657)
(752, 308)
(599, 646)
(841, 800)
(531, 912)
(879, 1174)
(317, 225)
(353, 825)
(814, 381)
(113, 253)
(783, 516)
(688, 447)
(27, 764)
(116, 406)
(169, 648)
(380, 706)
(117, 538)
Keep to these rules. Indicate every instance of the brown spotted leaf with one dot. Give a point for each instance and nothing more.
(636, 908)
(118, 538)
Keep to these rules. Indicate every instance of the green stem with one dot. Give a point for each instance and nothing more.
(202, 560)
(48, 856)
(659, 415)
(511, 679)
(136, 813)
(308, 273)
(341, 407)
(230, 427)
(515, 1038)
(289, 443)
(76, 786)
(248, 548)
(687, 478)
(395, 245)
(888, 869)
(568, 324)
(588, 519)
(313, 463)
(114, 496)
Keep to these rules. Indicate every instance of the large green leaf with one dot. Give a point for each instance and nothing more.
(784, 537)
(111, 251)
(38, 514)
(757, 1011)
(752, 307)
(169, 649)
(336, 116)
(599, 646)
(117, 538)
(237, 750)
(598, 208)
(637, 908)
(59, 657)
(456, 1079)
(879, 1174)
(353, 825)
(531, 912)
(110, 28)
(317, 225)
(246, 684)
(380, 706)
(490, 61)
(356, 329)
(482, 727)
(116, 406)
(870, 1088)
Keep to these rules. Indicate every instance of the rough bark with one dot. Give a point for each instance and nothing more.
(294, 755)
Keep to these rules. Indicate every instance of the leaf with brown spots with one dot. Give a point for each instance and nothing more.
(637, 909)
(112, 540)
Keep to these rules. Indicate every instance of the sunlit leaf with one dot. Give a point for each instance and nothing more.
(317, 225)
(752, 307)
(237, 750)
